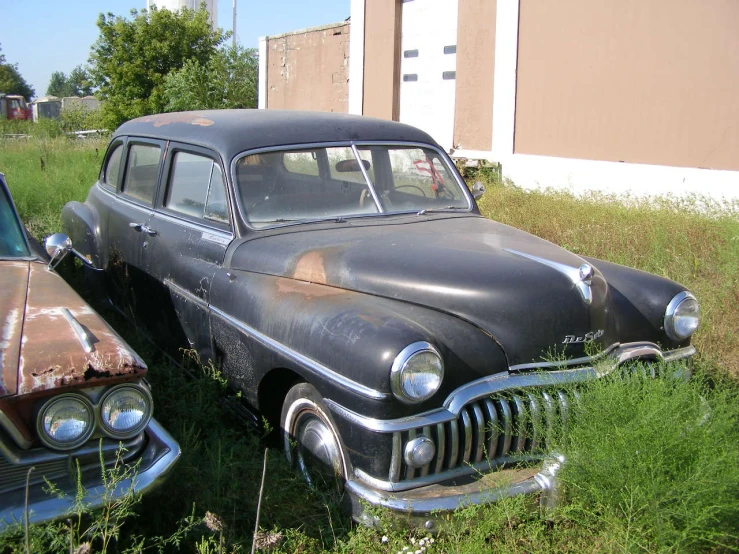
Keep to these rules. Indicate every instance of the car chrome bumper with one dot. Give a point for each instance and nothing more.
(428, 506)
(155, 462)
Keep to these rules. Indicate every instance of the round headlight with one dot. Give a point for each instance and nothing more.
(417, 373)
(65, 422)
(125, 411)
(419, 451)
(682, 316)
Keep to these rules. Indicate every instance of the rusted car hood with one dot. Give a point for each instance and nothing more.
(507, 282)
(41, 347)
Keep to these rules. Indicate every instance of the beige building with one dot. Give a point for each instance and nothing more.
(619, 95)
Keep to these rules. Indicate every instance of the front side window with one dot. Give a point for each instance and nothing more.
(284, 187)
(196, 188)
(142, 172)
(12, 241)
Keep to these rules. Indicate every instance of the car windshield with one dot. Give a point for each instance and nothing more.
(12, 240)
(338, 181)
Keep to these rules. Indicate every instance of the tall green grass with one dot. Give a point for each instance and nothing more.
(652, 464)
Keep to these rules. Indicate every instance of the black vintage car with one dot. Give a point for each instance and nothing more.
(339, 272)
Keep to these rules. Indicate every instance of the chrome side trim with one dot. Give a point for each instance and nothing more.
(488, 386)
(186, 294)
(307, 363)
(82, 335)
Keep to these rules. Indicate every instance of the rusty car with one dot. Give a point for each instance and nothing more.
(338, 271)
(73, 395)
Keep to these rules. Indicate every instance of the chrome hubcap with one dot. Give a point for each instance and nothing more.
(318, 452)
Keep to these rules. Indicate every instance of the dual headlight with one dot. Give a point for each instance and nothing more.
(682, 316)
(416, 373)
(68, 421)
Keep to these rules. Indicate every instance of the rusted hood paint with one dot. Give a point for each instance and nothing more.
(14, 285)
(54, 338)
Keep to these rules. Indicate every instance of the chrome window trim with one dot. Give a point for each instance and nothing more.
(503, 381)
(306, 362)
(352, 144)
(195, 226)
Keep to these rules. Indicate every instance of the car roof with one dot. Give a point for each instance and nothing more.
(233, 131)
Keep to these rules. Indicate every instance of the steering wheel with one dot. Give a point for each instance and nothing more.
(363, 198)
(419, 189)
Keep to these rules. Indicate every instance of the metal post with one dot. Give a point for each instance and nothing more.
(234, 26)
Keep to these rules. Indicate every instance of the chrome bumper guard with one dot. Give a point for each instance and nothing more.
(156, 461)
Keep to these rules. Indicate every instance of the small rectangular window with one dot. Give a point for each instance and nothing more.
(449, 75)
(410, 77)
(142, 172)
(450, 49)
(111, 173)
(410, 54)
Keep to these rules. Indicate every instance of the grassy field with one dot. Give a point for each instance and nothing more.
(653, 465)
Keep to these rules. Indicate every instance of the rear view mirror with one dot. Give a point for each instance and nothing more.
(346, 166)
(478, 189)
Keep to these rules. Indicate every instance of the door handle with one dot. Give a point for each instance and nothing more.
(141, 228)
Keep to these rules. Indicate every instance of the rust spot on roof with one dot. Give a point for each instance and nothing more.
(160, 120)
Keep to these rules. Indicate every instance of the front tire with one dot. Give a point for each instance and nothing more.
(310, 440)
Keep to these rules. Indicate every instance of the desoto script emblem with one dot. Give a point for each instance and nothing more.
(587, 337)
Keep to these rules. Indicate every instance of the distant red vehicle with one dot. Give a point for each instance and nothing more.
(13, 106)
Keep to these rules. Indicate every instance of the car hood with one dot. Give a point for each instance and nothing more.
(51, 338)
(525, 292)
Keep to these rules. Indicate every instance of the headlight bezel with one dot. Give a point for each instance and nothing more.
(49, 441)
(672, 311)
(400, 363)
(111, 432)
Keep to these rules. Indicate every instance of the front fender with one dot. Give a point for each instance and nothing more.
(353, 335)
(640, 300)
(82, 223)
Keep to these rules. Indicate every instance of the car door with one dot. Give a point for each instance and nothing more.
(129, 213)
(186, 242)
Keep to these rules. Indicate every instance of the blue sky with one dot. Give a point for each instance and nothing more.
(43, 36)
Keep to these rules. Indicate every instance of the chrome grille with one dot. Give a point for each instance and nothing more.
(494, 430)
(13, 476)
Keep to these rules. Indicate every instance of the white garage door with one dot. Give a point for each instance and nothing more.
(427, 67)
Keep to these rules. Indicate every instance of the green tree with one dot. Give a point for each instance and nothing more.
(77, 84)
(11, 81)
(131, 58)
(227, 80)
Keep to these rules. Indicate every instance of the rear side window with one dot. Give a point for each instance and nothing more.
(112, 171)
(142, 171)
(196, 188)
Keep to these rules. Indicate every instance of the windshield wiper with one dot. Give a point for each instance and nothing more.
(447, 209)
